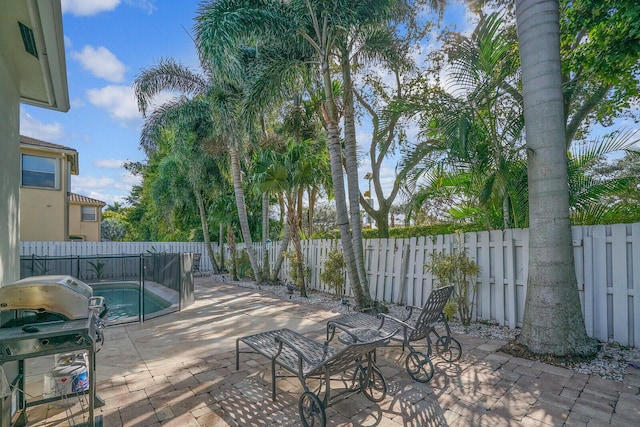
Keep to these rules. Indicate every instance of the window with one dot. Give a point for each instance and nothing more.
(88, 213)
(40, 171)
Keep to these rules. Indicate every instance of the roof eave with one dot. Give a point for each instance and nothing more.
(47, 15)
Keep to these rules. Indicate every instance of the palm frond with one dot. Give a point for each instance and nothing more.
(167, 75)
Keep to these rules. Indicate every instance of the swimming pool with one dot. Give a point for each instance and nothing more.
(123, 300)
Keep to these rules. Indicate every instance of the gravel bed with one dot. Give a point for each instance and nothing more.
(611, 362)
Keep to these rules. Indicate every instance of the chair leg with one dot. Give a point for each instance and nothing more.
(273, 380)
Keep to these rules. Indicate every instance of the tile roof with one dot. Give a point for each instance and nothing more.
(77, 198)
(39, 143)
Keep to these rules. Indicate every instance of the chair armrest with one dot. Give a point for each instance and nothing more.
(404, 324)
(410, 309)
(331, 325)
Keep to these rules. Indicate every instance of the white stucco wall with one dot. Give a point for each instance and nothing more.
(9, 176)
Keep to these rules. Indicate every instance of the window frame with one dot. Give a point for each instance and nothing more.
(56, 172)
(94, 214)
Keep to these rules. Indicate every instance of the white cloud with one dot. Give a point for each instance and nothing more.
(100, 188)
(67, 42)
(118, 101)
(108, 163)
(91, 182)
(146, 5)
(77, 103)
(131, 180)
(30, 126)
(88, 7)
(101, 63)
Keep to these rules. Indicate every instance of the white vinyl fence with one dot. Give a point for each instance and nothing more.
(604, 261)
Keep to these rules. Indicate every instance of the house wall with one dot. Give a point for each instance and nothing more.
(44, 212)
(90, 230)
(9, 175)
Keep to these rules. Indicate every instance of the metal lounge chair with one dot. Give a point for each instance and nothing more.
(308, 359)
(417, 363)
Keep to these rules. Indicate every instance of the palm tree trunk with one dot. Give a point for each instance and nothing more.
(553, 321)
(221, 239)
(506, 212)
(265, 235)
(283, 249)
(205, 232)
(335, 156)
(313, 196)
(293, 221)
(242, 209)
(351, 162)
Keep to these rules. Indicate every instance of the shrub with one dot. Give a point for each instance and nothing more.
(333, 272)
(243, 264)
(293, 270)
(458, 270)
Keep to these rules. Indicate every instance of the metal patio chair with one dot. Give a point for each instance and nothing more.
(413, 329)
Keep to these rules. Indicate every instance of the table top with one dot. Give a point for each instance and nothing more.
(361, 335)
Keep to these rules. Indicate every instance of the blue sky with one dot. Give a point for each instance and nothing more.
(107, 44)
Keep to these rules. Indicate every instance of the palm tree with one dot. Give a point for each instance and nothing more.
(291, 34)
(553, 320)
(476, 125)
(594, 199)
(220, 104)
(115, 207)
(185, 167)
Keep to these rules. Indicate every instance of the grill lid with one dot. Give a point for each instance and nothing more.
(65, 295)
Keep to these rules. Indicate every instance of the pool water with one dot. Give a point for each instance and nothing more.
(123, 300)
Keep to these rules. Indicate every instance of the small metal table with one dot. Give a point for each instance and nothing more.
(355, 335)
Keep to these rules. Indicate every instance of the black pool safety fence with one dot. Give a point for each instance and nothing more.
(136, 287)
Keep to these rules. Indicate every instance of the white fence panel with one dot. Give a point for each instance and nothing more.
(633, 265)
(607, 263)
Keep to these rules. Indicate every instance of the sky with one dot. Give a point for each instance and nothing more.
(107, 44)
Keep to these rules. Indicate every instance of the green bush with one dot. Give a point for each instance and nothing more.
(458, 270)
(243, 264)
(407, 232)
(333, 273)
(293, 270)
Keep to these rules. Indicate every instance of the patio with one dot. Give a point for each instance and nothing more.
(179, 370)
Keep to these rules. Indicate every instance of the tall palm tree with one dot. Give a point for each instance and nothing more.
(185, 126)
(220, 103)
(553, 320)
(185, 170)
(292, 32)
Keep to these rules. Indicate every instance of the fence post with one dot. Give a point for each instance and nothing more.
(404, 271)
(141, 300)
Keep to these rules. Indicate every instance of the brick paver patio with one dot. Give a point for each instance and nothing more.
(179, 370)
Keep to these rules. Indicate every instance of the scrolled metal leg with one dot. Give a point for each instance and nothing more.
(449, 348)
(372, 382)
(419, 367)
(311, 410)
